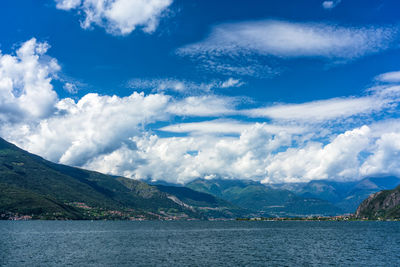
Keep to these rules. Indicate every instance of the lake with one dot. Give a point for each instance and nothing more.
(198, 243)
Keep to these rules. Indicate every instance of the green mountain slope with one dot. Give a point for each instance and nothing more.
(39, 188)
(209, 205)
(262, 199)
(382, 205)
(14, 200)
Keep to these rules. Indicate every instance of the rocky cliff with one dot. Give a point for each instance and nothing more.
(382, 205)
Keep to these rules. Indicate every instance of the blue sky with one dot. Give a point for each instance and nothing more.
(276, 91)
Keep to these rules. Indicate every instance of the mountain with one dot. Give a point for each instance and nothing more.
(209, 205)
(381, 205)
(38, 188)
(345, 195)
(264, 200)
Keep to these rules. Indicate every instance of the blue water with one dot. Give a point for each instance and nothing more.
(199, 243)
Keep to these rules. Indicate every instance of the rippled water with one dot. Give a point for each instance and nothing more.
(232, 243)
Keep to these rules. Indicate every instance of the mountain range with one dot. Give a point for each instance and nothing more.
(345, 195)
(264, 200)
(321, 197)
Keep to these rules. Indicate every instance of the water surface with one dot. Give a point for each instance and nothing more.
(198, 243)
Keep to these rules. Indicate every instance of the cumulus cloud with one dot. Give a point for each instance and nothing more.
(384, 158)
(389, 77)
(98, 125)
(337, 159)
(292, 39)
(256, 154)
(118, 17)
(182, 86)
(185, 158)
(79, 131)
(93, 125)
(26, 92)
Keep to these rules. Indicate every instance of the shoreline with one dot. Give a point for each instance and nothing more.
(298, 219)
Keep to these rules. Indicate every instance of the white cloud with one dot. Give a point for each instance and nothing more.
(290, 39)
(330, 4)
(202, 106)
(181, 86)
(98, 125)
(186, 158)
(122, 161)
(231, 83)
(256, 154)
(221, 126)
(26, 92)
(241, 66)
(70, 88)
(67, 4)
(338, 159)
(118, 17)
(160, 85)
(385, 155)
(154, 158)
(389, 77)
(318, 110)
(94, 125)
(204, 127)
(335, 108)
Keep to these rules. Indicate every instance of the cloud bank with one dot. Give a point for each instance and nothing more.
(208, 135)
(256, 154)
(118, 17)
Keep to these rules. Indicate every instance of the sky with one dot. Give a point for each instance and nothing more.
(174, 90)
